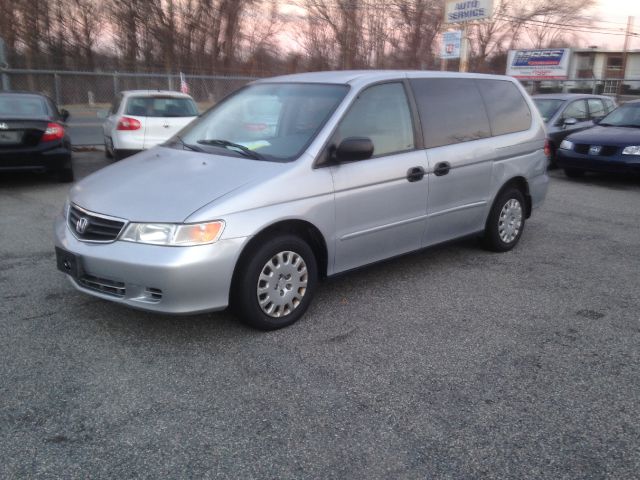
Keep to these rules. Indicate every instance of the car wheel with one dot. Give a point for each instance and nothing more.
(275, 284)
(573, 172)
(506, 221)
(117, 155)
(108, 150)
(65, 175)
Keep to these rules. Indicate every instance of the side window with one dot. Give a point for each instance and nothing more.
(382, 114)
(451, 110)
(596, 108)
(610, 105)
(508, 111)
(577, 110)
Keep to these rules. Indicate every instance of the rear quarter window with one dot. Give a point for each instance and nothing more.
(451, 110)
(507, 109)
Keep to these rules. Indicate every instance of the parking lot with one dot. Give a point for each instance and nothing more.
(449, 363)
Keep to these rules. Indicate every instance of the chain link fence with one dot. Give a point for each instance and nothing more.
(85, 94)
(623, 90)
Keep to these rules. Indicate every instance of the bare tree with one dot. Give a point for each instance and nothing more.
(542, 21)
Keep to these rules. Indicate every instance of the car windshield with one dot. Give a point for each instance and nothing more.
(267, 121)
(161, 106)
(22, 106)
(547, 107)
(627, 115)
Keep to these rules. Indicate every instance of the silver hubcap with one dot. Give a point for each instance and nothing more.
(282, 284)
(510, 221)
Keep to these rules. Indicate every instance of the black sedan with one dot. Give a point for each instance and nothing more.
(613, 145)
(33, 135)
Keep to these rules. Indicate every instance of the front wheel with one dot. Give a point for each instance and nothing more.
(573, 172)
(506, 221)
(275, 284)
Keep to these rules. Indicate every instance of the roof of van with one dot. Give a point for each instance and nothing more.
(149, 93)
(350, 76)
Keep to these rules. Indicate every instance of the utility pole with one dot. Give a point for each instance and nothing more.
(627, 37)
(464, 48)
(6, 85)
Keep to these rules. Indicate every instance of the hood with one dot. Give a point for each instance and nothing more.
(607, 136)
(166, 184)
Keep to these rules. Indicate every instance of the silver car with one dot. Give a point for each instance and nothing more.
(350, 168)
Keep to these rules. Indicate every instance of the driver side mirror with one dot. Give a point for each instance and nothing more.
(570, 121)
(354, 148)
(64, 114)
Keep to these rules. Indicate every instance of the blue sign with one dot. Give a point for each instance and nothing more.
(536, 58)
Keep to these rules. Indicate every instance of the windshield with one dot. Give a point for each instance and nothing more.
(625, 116)
(159, 106)
(266, 121)
(22, 106)
(547, 107)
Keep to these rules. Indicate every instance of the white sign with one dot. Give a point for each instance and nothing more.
(458, 11)
(451, 44)
(539, 64)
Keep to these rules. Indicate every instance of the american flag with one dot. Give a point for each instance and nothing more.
(184, 87)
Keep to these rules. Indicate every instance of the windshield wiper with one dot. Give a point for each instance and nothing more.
(232, 146)
(188, 146)
(628, 125)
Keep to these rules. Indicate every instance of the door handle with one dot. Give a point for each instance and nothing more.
(415, 174)
(441, 169)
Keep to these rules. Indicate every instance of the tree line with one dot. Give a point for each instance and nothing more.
(262, 37)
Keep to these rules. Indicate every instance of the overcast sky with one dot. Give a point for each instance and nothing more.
(614, 14)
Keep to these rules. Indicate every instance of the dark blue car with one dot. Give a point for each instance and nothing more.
(613, 145)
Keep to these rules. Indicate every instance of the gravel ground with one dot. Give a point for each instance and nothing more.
(449, 363)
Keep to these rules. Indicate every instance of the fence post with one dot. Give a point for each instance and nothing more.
(170, 81)
(115, 83)
(56, 87)
(6, 82)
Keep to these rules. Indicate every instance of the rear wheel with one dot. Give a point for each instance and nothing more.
(65, 175)
(506, 221)
(573, 172)
(108, 148)
(275, 284)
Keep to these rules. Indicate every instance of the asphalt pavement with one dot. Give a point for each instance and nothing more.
(449, 363)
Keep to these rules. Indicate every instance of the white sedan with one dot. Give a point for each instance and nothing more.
(141, 119)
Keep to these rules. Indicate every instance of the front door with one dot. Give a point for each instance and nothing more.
(380, 203)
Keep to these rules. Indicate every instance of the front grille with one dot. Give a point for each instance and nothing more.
(97, 228)
(606, 151)
(103, 285)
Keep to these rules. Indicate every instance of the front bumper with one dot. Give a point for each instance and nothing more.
(176, 280)
(595, 163)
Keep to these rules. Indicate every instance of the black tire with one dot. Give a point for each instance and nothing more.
(65, 175)
(117, 155)
(245, 298)
(107, 152)
(573, 172)
(499, 236)
(552, 158)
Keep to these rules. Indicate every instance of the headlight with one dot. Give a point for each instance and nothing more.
(566, 145)
(173, 234)
(631, 150)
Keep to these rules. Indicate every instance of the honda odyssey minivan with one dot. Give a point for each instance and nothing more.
(300, 177)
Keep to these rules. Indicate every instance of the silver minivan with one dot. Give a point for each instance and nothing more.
(301, 177)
